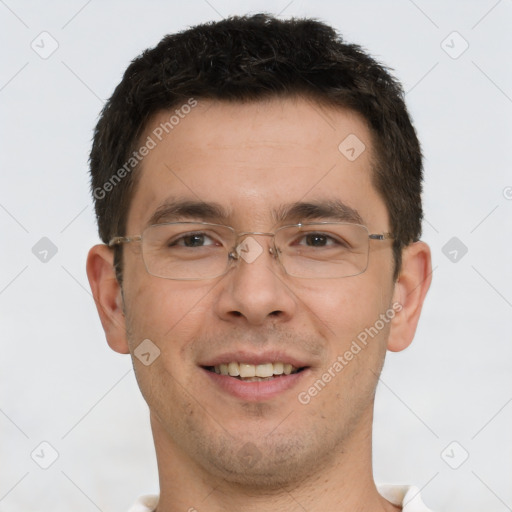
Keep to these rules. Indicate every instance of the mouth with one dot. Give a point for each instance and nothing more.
(255, 377)
(255, 372)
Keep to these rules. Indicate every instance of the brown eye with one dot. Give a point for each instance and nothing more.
(192, 240)
(320, 240)
(316, 240)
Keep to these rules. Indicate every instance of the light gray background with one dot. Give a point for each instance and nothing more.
(63, 385)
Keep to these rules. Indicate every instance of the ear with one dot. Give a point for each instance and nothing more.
(410, 290)
(107, 295)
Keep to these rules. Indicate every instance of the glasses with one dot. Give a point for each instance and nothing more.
(199, 250)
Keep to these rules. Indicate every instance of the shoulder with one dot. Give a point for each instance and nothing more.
(408, 496)
(145, 504)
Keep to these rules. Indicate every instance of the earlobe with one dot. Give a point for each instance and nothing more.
(410, 290)
(107, 296)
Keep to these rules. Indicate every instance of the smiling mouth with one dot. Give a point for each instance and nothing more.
(254, 372)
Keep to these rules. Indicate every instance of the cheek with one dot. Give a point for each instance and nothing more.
(344, 308)
(349, 316)
(171, 316)
(169, 313)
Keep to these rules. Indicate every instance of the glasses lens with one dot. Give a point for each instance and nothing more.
(326, 250)
(186, 250)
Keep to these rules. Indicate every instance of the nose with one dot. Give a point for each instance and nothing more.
(254, 290)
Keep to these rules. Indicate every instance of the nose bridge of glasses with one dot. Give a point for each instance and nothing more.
(248, 248)
(248, 233)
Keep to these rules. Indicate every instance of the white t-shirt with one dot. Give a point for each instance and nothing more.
(406, 495)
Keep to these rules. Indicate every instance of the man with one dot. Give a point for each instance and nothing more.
(257, 186)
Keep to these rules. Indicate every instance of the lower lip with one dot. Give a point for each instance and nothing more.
(256, 391)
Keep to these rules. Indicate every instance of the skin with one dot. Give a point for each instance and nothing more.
(252, 158)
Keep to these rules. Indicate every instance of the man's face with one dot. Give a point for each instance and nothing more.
(251, 160)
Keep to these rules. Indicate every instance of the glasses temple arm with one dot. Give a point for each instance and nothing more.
(382, 236)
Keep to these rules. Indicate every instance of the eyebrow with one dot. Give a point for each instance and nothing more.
(329, 209)
(175, 209)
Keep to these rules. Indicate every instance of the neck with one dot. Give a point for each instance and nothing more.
(342, 482)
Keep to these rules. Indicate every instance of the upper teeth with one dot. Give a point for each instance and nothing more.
(251, 370)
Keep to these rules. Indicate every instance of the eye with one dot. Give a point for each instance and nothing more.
(317, 240)
(320, 240)
(192, 240)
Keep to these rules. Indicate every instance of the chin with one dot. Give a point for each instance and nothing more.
(263, 464)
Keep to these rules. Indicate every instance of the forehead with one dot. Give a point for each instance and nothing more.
(254, 158)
